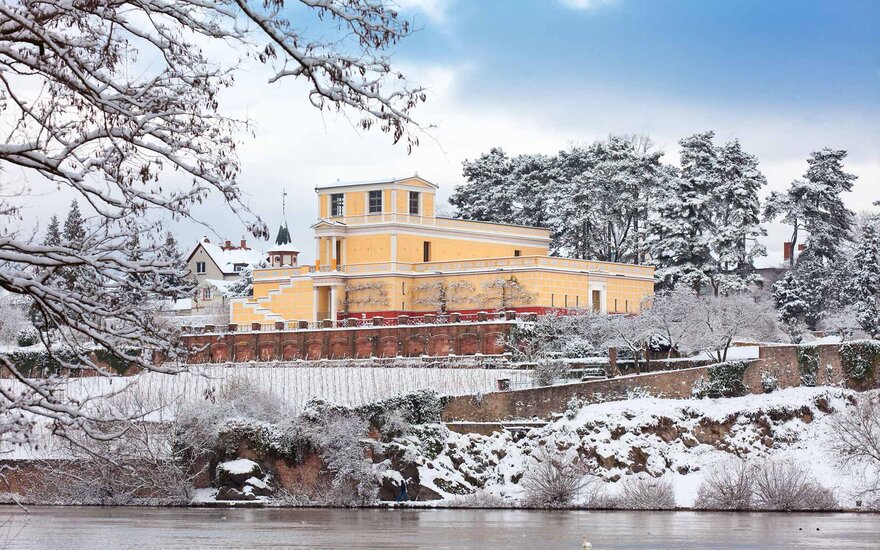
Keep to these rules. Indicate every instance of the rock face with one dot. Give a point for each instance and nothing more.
(242, 480)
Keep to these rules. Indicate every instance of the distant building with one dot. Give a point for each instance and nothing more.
(224, 262)
(382, 250)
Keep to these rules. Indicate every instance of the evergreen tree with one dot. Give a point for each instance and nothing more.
(814, 204)
(73, 236)
(737, 219)
(828, 221)
(531, 179)
(244, 285)
(866, 282)
(74, 227)
(136, 289)
(488, 194)
(173, 282)
(575, 208)
(53, 232)
(682, 229)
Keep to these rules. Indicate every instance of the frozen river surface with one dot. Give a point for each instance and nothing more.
(206, 529)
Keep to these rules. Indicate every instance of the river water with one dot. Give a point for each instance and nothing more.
(92, 528)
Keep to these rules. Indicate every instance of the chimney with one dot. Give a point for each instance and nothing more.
(228, 245)
(786, 250)
(205, 239)
(244, 244)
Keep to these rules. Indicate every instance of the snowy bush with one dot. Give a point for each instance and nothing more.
(723, 380)
(808, 364)
(769, 382)
(860, 358)
(646, 493)
(238, 413)
(788, 485)
(418, 407)
(480, 499)
(547, 371)
(728, 486)
(554, 480)
(340, 439)
(40, 363)
(14, 320)
(27, 337)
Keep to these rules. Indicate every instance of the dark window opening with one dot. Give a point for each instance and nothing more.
(337, 204)
(596, 296)
(414, 203)
(375, 202)
(517, 253)
(426, 251)
(200, 267)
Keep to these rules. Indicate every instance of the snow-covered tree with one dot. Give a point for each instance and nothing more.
(669, 316)
(814, 204)
(53, 232)
(737, 220)
(721, 319)
(866, 282)
(682, 228)
(176, 284)
(490, 193)
(104, 97)
(244, 285)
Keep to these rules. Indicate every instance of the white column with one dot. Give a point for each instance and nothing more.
(317, 249)
(333, 304)
(315, 304)
(333, 250)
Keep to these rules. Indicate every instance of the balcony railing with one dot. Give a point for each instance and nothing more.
(450, 223)
(428, 319)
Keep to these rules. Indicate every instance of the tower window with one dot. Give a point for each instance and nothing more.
(337, 204)
(375, 202)
(426, 251)
(414, 203)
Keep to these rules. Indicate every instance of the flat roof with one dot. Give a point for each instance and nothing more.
(339, 183)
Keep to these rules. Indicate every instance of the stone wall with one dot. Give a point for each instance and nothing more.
(342, 343)
(779, 361)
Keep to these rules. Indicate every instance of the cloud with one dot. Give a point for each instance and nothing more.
(586, 4)
(435, 10)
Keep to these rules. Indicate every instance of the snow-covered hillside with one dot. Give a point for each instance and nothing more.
(676, 440)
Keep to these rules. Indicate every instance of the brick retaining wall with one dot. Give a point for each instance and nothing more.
(779, 361)
(342, 343)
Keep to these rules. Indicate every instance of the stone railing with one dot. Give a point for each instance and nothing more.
(427, 319)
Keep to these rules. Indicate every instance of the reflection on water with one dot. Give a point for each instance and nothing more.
(171, 528)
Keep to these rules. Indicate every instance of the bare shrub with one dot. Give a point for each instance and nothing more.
(480, 499)
(554, 480)
(340, 437)
(855, 440)
(123, 462)
(646, 493)
(788, 485)
(548, 371)
(728, 486)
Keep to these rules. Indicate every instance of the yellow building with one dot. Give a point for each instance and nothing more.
(381, 250)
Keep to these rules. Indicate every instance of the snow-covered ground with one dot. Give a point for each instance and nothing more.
(679, 440)
(160, 395)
